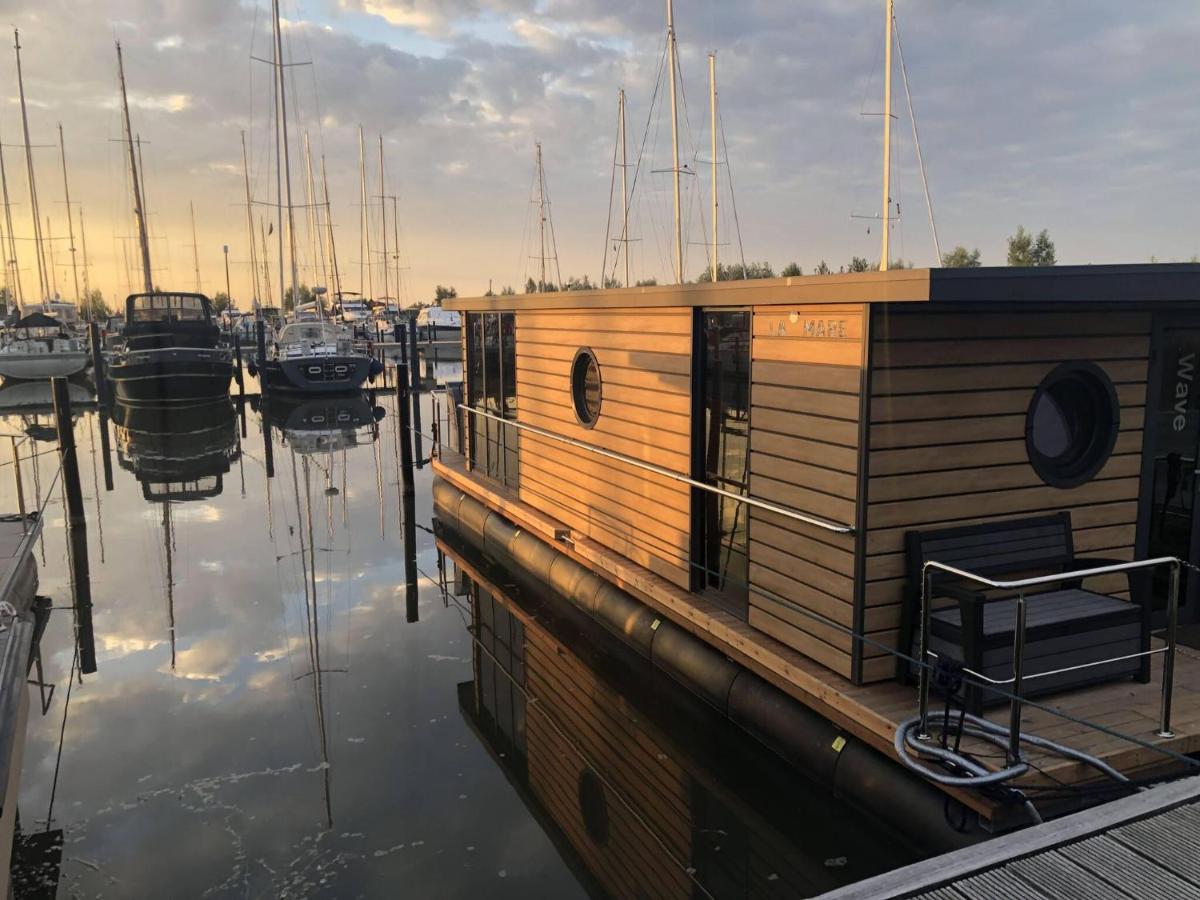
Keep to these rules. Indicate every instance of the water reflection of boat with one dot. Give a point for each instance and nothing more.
(36, 396)
(325, 423)
(177, 452)
(636, 781)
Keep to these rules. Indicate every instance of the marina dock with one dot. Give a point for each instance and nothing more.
(1141, 846)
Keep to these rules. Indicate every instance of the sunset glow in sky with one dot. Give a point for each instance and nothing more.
(1075, 116)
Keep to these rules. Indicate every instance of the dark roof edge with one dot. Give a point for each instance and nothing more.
(1137, 283)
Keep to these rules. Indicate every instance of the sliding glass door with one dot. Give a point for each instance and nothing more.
(492, 388)
(721, 441)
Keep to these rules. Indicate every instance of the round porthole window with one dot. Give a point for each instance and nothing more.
(585, 387)
(1072, 424)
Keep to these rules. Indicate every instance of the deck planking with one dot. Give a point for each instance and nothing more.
(1140, 846)
(872, 712)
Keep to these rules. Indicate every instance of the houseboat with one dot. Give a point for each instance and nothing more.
(815, 501)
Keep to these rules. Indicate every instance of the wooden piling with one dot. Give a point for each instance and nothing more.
(99, 374)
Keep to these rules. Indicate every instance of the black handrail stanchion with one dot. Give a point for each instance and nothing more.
(81, 582)
(456, 399)
(99, 375)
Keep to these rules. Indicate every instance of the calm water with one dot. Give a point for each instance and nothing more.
(264, 721)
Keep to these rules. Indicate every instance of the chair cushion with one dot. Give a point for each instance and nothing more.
(1053, 610)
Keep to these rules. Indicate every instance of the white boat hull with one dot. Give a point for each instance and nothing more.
(42, 365)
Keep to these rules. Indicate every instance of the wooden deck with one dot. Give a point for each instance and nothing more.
(871, 712)
(1142, 846)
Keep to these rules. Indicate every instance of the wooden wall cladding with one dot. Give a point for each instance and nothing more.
(806, 374)
(949, 397)
(645, 371)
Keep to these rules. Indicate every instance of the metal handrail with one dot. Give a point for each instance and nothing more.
(795, 515)
(1018, 677)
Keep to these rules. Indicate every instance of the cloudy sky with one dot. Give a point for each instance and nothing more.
(1075, 116)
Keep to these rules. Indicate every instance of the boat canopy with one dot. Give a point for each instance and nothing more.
(38, 325)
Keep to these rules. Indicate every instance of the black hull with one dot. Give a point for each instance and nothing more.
(318, 375)
(171, 381)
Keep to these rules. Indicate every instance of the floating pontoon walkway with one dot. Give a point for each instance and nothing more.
(1141, 846)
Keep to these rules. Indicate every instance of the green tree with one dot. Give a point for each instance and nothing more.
(579, 284)
(92, 306)
(530, 286)
(738, 272)
(443, 293)
(822, 269)
(507, 291)
(791, 270)
(647, 282)
(860, 264)
(1026, 250)
(220, 301)
(289, 300)
(612, 282)
(961, 258)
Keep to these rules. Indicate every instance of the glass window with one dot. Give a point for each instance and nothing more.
(725, 389)
(585, 387)
(492, 388)
(1072, 424)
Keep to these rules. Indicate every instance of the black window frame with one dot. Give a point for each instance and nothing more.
(492, 448)
(1081, 464)
(579, 367)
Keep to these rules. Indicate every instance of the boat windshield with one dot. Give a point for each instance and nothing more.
(309, 332)
(168, 308)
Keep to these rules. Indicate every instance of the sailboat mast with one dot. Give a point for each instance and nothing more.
(396, 242)
(383, 218)
(266, 260)
(712, 111)
(364, 223)
(62, 149)
(11, 262)
(39, 249)
(337, 279)
(53, 265)
(672, 64)
(624, 193)
(283, 161)
(311, 192)
(887, 139)
(250, 229)
(541, 180)
(87, 287)
(195, 247)
(138, 212)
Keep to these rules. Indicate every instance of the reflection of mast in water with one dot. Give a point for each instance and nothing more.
(312, 618)
(169, 544)
(379, 483)
(96, 488)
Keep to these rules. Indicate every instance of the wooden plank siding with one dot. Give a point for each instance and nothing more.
(645, 372)
(949, 397)
(805, 396)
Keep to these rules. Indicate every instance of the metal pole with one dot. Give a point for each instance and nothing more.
(228, 289)
(62, 149)
(1168, 676)
(541, 179)
(383, 221)
(260, 330)
(66, 450)
(406, 454)
(712, 104)
(237, 353)
(99, 375)
(411, 594)
(39, 248)
(1014, 715)
(923, 652)
(17, 477)
(414, 361)
(106, 449)
(624, 198)
(672, 64)
(402, 339)
(887, 139)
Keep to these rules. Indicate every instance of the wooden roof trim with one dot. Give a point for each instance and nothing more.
(898, 286)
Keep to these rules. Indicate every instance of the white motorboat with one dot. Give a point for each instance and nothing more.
(39, 346)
